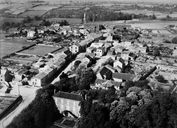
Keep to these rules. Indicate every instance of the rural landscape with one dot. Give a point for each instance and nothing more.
(88, 64)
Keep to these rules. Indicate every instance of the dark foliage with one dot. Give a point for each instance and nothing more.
(161, 113)
(41, 113)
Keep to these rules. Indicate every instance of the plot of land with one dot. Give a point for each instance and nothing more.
(70, 20)
(44, 7)
(32, 13)
(39, 50)
(10, 46)
(5, 102)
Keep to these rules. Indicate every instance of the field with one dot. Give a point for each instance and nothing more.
(43, 7)
(5, 102)
(159, 15)
(8, 46)
(39, 50)
(32, 13)
(70, 20)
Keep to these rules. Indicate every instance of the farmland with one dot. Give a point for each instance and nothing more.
(9, 46)
(39, 50)
(70, 20)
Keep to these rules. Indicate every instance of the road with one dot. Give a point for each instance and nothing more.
(28, 94)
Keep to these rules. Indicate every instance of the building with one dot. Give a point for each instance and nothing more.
(105, 84)
(119, 64)
(106, 72)
(90, 50)
(99, 52)
(120, 77)
(39, 79)
(30, 34)
(75, 48)
(68, 102)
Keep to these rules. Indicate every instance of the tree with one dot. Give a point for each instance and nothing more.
(98, 117)
(64, 23)
(156, 52)
(161, 113)
(174, 40)
(161, 79)
(45, 23)
(41, 113)
(85, 77)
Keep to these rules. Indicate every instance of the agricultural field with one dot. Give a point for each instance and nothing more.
(3, 6)
(152, 24)
(5, 19)
(70, 20)
(8, 46)
(32, 13)
(39, 50)
(44, 7)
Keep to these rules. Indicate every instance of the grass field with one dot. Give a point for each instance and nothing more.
(8, 46)
(39, 50)
(70, 20)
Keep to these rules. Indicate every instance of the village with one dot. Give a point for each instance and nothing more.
(116, 54)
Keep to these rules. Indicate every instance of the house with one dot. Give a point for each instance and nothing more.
(68, 102)
(99, 52)
(125, 55)
(90, 50)
(31, 34)
(106, 72)
(97, 45)
(119, 64)
(39, 79)
(174, 52)
(105, 84)
(120, 77)
(75, 48)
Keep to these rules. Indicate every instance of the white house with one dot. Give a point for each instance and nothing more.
(30, 34)
(119, 64)
(75, 48)
(68, 102)
(39, 79)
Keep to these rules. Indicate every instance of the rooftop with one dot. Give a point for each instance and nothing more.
(66, 95)
(124, 76)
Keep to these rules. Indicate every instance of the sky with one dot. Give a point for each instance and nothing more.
(153, 1)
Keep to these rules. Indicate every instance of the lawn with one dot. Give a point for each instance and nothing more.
(39, 50)
(8, 46)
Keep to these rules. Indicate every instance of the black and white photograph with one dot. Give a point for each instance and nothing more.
(88, 63)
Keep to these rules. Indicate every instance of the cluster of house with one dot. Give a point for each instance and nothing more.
(116, 62)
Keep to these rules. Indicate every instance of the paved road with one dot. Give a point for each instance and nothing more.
(28, 95)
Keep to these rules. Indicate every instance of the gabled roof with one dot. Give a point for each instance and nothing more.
(124, 76)
(66, 95)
